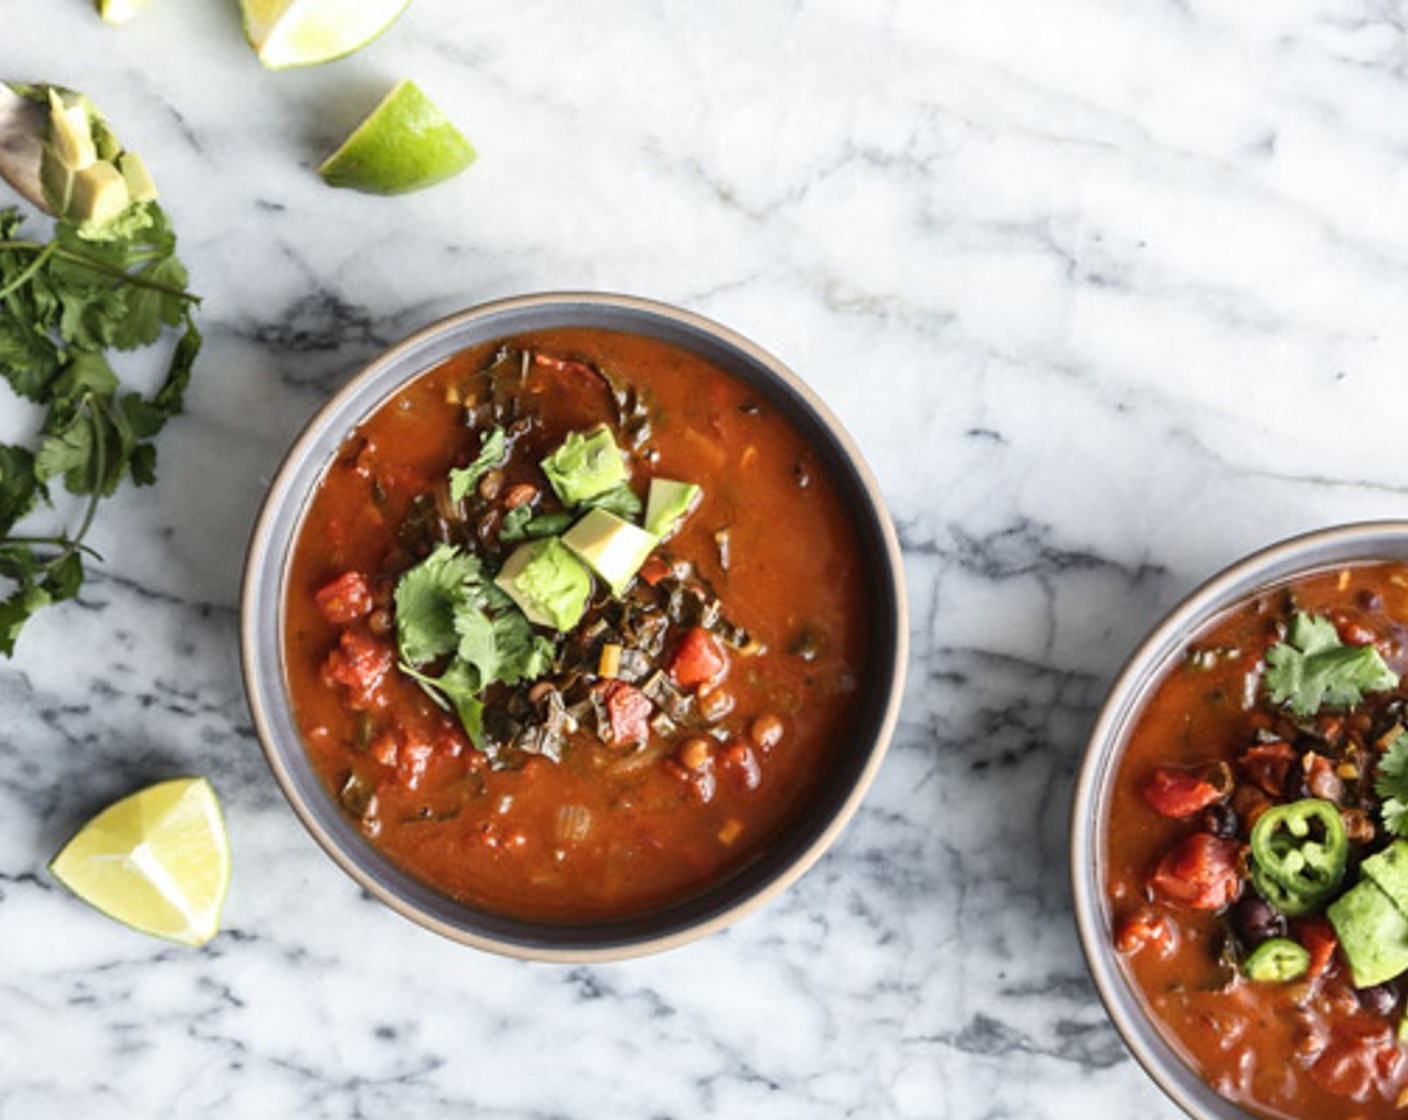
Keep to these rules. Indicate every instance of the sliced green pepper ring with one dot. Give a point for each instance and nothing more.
(1299, 852)
(1277, 961)
(1282, 900)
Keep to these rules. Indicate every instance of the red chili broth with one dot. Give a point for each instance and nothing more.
(489, 837)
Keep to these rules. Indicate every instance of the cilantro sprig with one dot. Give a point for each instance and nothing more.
(1313, 668)
(1391, 784)
(65, 303)
(447, 606)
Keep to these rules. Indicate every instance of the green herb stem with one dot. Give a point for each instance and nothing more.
(54, 249)
(31, 270)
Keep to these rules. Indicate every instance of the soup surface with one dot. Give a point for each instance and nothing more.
(1255, 855)
(547, 764)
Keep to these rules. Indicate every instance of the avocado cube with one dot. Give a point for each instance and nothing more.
(1373, 933)
(668, 504)
(140, 184)
(587, 464)
(1389, 871)
(547, 582)
(99, 195)
(71, 131)
(614, 549)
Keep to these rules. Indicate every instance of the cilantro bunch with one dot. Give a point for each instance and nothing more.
(65, 304)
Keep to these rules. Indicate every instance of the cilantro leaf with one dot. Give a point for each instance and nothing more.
(522, 524)
(620, 500)
(447, 605)
(427, 597)
(458, 687)
(19, 486)
(15, 611)
(1391, 784)
(463, 480)
(501, 645)
(1313, 668)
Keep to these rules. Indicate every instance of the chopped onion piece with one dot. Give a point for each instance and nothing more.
(573, 824)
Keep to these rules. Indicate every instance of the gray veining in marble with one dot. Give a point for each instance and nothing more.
(1109, 292)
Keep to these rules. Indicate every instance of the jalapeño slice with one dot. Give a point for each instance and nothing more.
(1298, 854)
(1277, 961)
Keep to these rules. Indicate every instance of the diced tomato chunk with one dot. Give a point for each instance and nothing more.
(359, 664)
(629, 710)
(698, 659)
(654, 569)
(1143, 929)
(345, 599)
(1318, 938)
(1200, 872)
(1268, 764)
(1360, 1057)
(1178, 794)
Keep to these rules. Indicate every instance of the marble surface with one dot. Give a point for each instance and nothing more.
(1109, 292)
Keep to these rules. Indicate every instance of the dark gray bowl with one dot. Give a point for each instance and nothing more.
(1379, 540)
(781, 862)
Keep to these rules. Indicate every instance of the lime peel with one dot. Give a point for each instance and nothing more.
(405, 144)
(287, 33)
(157, 861)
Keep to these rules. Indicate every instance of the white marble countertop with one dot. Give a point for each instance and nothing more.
(1109, 292)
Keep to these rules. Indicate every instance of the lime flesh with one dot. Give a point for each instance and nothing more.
(118, 12)
(405, 144)
(288, 33)
(157, 861)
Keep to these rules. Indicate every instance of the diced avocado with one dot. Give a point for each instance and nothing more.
(586, 465)
(1373, 933)
(87, 177)
(669, 503)
(1388, 869)
(71, 130)
(99, 194)
(549, 584)
(140, 184)
(614, 548)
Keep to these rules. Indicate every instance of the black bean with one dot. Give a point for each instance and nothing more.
(1255, 921)
(1381, 999)
(1295, 787)
(1221, 820)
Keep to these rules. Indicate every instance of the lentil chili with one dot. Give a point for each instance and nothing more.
(652, 746)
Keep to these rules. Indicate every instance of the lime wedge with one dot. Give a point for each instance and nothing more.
(405, 144)
(288, 33)
(117, 12)
(157, 861)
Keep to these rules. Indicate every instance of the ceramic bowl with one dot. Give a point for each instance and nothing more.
(780, 862)
(1345, 544)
